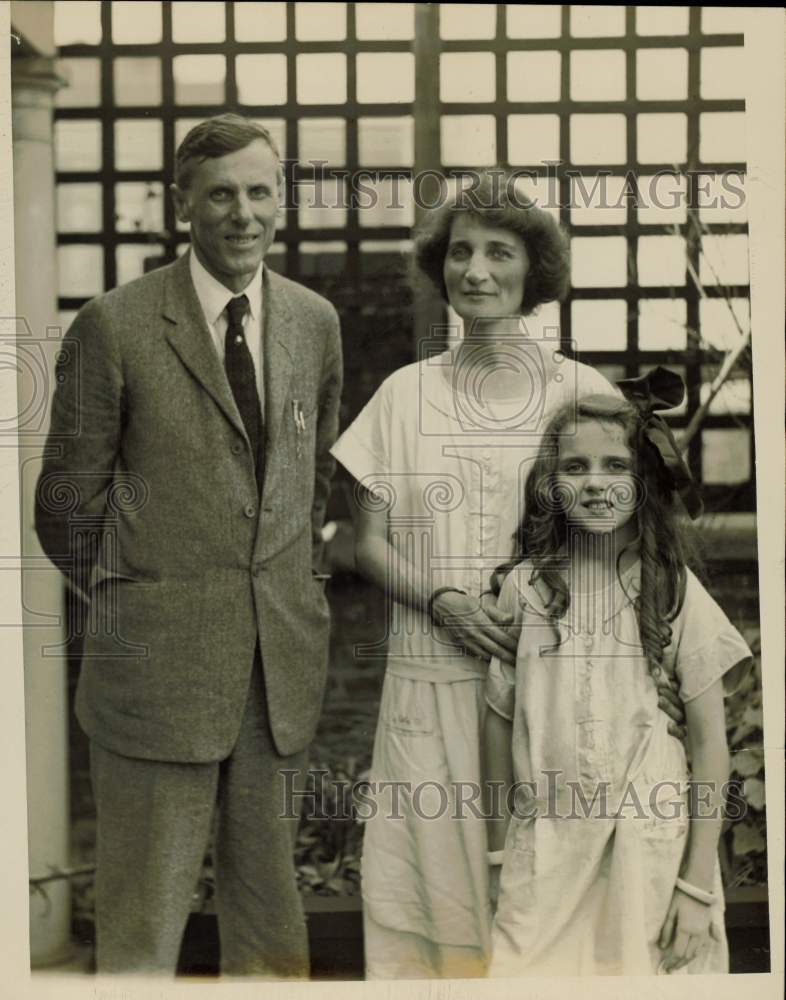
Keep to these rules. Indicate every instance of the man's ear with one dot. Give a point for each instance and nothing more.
(180, 199)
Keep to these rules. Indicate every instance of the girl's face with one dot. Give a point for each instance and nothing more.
(484, 269)
(595, 480)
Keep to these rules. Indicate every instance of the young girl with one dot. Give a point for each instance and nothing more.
(610, 865)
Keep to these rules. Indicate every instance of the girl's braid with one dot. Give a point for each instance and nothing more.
(653, 599)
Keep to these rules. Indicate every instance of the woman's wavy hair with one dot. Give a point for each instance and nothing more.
(493, 198)
(665, 546)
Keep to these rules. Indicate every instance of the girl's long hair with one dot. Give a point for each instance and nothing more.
(665, 547)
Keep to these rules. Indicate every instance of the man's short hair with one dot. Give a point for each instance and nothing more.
(219, 136)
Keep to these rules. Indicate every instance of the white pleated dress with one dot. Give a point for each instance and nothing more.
(451, 473)
(585, 890)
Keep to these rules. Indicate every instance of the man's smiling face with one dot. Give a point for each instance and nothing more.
(231, 203)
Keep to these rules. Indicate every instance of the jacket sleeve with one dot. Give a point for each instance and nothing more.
(82, 446)
(331, 379)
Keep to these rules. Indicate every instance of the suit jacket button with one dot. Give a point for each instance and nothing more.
(250, 510)
(237, 448)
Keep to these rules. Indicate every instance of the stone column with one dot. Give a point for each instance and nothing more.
(34, 83)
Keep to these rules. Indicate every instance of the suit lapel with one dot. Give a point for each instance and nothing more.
(189, 336)
(279, 330)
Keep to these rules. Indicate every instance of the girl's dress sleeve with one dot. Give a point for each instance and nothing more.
(708, 646)
(501, 677)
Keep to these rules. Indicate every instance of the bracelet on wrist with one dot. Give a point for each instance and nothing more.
(434, 595)
(495, 857)
(700, 895)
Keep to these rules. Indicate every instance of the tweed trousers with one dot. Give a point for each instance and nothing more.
(153, 827)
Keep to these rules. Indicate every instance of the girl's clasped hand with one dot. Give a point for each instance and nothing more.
(687, 929)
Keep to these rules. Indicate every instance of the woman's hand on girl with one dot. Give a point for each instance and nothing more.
(481, 629)
(686, 930)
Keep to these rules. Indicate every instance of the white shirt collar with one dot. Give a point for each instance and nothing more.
(213, 296)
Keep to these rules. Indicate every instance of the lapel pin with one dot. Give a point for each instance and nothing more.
(300, 424)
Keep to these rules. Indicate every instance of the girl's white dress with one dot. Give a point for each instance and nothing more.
(450, 470)
(585, 886)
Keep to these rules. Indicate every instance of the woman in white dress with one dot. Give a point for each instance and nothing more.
(440, 455)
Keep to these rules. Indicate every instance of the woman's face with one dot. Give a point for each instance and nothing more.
(484, 269)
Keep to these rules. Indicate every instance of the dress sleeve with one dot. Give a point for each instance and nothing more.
(708, 646)
(364, 447)
(501, 677)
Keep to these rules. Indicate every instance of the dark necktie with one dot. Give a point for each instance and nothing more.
(241, 374)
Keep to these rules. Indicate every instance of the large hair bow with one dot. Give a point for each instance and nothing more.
(662, 389)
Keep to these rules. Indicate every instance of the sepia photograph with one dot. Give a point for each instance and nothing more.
(394, 583)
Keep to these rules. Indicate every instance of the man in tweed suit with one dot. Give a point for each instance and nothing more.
(209, 391)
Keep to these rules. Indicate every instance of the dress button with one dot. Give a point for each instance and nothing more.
(589, 642)
(250, 510)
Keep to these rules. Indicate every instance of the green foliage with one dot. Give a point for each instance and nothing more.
(744, 841)
(327, 853)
